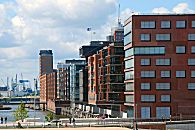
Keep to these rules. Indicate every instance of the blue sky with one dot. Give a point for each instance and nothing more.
(26, 26)
(147, 5)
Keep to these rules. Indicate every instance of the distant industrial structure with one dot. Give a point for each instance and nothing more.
(16, 87)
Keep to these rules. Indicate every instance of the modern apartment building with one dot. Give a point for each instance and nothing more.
(68, 79)
(160, 65)
(83, 86)
(62, 81)
(48, 87)
(75, 67)
(93, 79)
(52, 85)
(106, 75)
(111, 75)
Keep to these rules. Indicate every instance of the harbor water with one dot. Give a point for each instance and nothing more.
(31, 113)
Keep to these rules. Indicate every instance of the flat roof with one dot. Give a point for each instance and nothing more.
(155, 14)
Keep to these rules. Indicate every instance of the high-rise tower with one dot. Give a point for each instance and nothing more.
(46, 61)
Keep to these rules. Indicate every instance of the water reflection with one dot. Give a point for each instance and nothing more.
(10, 113)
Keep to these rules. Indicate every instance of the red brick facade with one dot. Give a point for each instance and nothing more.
(182, 99)
(106, 76)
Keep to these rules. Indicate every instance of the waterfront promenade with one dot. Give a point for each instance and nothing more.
(84, 128)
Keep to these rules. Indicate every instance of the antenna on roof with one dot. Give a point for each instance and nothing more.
(119, 20)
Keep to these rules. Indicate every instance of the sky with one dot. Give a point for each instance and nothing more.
(27, 26)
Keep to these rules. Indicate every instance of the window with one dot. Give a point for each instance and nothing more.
(163, 37)
(145, 86)
(145, 37)
(129, 75)
(193, 74)
(165, 98)
(148, 98)
(129, 98)
(193, 24)
(129, 86)
(191, 61)
(129, 52)
(193, 49)
(163, 112)
(163, 62)
(180, 49)
(191, 86)
(191, 37)
(145, 61)
(128, 39)
(127, 28)
(145, 112)
(165, 24)
(180, 24)
(149, 50)
(165, 74)
(181, 74)
(147, 74)
(129, 63)
(147, 24)
(163, 86)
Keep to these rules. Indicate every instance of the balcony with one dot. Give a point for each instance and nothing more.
(116, 44)
(117, 88)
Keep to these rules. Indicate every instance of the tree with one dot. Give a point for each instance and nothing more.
(49, 117)
(21, 113)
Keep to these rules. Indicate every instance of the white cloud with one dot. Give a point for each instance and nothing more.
(179, 8)
(160, 10)
(113, 20)
(182, 8)
(18, 21)
(59, 25)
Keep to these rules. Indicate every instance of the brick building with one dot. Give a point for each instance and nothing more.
(93, 79)
(160, 65)
(43, 88)
(45, 67)
(52, 85)
(111, 76)
(45, 62)
(106, 75)
(48, 77)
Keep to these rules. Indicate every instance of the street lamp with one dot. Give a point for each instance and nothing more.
(136, 117)
(35, 86)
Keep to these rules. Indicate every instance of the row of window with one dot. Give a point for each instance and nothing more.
(159, 37)
(163, 86)
(156, 50)
(149, 50)
(147, 86)
(161, 112)
(166, 74)
(152, 98)
(163, 61)
(166, 24)
(163, 74)
(159, 86)
(163, 37)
